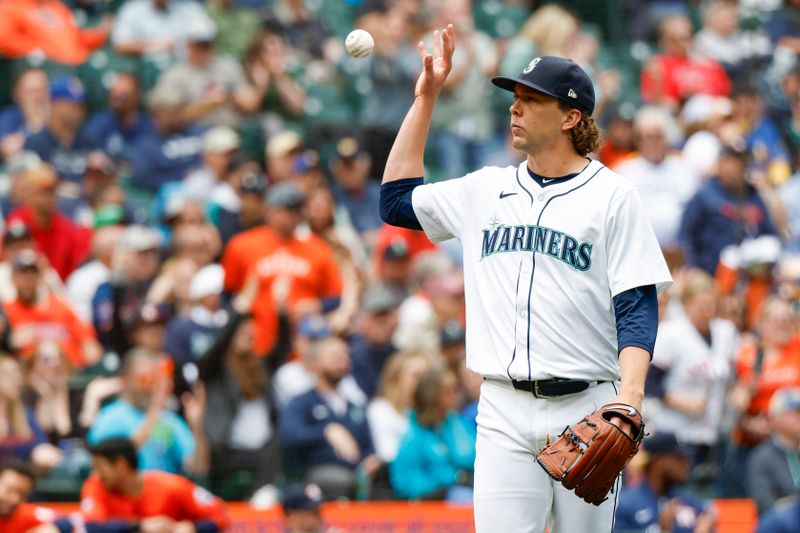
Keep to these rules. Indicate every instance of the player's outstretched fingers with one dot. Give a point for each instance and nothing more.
(437, 45)
(449, 42)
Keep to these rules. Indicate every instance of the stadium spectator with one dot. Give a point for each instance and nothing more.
(155, 27)
(783, 27)
(764, 365)
(722, 40)
(676, 73)
(213, 87)
(691, 370)
(656, 502)
(48, 27)
(303, 30)
(725, 210)
(664, 181)
(783, 518)
(28, 114)
(272, 68)
(421, 316)
(173, 151)
(550, 30)
(242, 415)
(16, 239)
(297, 377)
(371, 343)
(329, 435)
(20, 434)
(163, 439)
(391, 66)
(462, 124)
(237, 26)
(118, 128)
(353, 189)
(83, 283)
(238, 204)
(134, 264)
(393, 268)
(188, 338)
(282, 151)
(706, 121)
(275, 250)
(219, 147)
(64, 244)
(301, 509)
(387, 413)
(769, 474)
(65, 142)
(34, 318)
(120, 495)
(16, 514)
(438, 452)
(48, 372)
(618, 141)
(768, 154)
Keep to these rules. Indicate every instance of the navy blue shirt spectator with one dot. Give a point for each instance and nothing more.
(165, 158)
(65, 143)
(303, 425)
(353, 190)
(372, 344)
(784, 22)
(658, 502)
(27, 115)
(725, 211)
(781, 519)
(311, 421)
(120, 126)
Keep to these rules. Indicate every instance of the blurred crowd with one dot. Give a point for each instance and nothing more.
(193, 258)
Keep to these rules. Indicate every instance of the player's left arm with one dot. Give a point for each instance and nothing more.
(636, 270)
(636, 313)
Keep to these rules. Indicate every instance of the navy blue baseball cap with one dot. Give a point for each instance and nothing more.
(557, 77)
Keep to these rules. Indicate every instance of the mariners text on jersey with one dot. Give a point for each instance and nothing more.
(537, 239)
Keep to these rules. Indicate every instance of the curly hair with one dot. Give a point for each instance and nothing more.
(585, 135)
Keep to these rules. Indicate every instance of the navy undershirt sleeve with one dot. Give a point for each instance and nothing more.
(637, 318)
(396, 208)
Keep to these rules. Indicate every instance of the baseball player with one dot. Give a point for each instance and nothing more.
(561, 273)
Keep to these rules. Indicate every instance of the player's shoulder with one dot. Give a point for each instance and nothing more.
(611, 187)
(487, 175)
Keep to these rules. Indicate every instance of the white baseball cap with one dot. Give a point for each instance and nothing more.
(208, 281)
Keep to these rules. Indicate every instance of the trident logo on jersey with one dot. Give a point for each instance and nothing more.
(500, 238)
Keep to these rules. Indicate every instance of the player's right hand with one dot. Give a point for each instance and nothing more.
(436, 67)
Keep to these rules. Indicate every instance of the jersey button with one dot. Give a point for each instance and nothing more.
(541, 198)
(522, 313)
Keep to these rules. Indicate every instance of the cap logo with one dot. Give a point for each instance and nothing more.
(531, 65)
(572, 94)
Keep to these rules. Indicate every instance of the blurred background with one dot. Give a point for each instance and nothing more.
(190, 234)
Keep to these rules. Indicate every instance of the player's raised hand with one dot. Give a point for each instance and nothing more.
(436, 66)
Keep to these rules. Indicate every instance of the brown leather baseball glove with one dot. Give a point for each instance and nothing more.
(589, 455)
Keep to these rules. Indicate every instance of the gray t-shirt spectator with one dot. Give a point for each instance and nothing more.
(769, 475)
(192, 84)
(139, 21)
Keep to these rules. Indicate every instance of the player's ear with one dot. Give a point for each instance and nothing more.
(571, 119)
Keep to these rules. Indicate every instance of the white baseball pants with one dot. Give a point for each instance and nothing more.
(513, 494)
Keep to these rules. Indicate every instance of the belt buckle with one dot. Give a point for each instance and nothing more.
(536, 393)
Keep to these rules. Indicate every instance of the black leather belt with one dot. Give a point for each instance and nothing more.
(552, 388)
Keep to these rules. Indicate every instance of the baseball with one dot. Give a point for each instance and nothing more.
(359, 43)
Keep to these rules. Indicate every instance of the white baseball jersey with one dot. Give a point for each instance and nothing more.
(541, 266)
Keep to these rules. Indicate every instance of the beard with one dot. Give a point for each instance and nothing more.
(332, 378)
